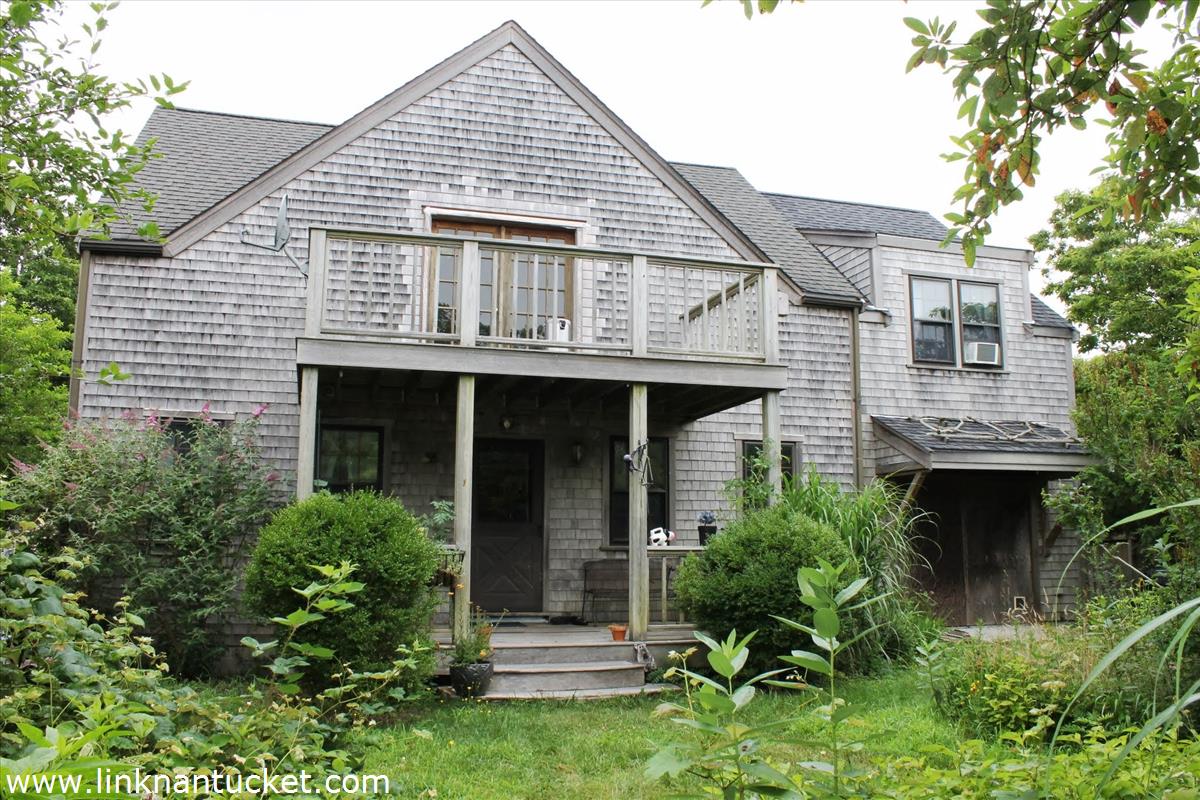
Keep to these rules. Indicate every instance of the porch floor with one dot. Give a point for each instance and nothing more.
(534, 634)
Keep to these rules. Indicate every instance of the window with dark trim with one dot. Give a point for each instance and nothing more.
(350, 457)
(979, 314)
(657, 493)
(182, 431)
(933, 320)
(751, 449)
(951, 318)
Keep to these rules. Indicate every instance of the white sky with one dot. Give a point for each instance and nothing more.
(812, 100)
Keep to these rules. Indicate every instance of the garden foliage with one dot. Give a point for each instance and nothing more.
(1027, 685)
(35, 362)
(161, 515)
(79, 690)
(881, 531)
(1132, 411)
(735, 583)
(730, 759)
(396, 560)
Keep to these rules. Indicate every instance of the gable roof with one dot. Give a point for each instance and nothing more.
(817, 278)
(815, 214)
(508, 34)
(203, 157)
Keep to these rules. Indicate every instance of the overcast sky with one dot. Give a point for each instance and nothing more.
(812, 100)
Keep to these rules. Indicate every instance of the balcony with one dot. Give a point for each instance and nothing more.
(400, 300)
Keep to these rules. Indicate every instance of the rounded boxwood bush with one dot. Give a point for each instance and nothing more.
(394, 556)
(748, 572)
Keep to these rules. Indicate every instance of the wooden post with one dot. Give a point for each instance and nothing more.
(306, 450)
(772, 433)
(769, 315)
(468, 296)
(639, 310)
(639, 559)
(464, 462)
(314, 315)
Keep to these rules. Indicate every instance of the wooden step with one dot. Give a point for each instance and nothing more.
(561, 652)
(583, 694)
(571, 677)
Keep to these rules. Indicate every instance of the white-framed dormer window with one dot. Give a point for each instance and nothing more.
(955, 322)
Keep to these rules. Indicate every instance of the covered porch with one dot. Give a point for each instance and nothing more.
(554, 445)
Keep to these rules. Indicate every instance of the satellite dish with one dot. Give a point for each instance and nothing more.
(283, 231)
(283, 234)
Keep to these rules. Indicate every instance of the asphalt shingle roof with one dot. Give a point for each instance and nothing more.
(814, 214)
(957, 434)
(751, 212)
(204, 157)
(1045, 315)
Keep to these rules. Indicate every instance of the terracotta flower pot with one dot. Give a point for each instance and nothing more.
(618, 632)
(471, 680)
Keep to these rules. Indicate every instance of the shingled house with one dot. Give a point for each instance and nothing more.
(493, 291)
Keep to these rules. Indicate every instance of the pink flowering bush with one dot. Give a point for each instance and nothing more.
(162, 513)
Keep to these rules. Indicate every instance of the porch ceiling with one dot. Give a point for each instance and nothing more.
(669, 404)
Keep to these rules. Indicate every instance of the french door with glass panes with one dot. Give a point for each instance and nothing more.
(521, 295)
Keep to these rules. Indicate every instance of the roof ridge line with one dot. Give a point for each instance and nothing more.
(851, 203)
(248, 116)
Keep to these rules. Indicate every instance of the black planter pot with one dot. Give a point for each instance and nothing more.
(706, 532)
(471, 680)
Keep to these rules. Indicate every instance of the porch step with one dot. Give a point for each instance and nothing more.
(583, 694)
(561, 652)
(574, 677)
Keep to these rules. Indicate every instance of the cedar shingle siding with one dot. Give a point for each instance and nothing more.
(218, 322)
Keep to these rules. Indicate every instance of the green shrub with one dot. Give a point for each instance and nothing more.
(160, 515)
(1026, 683)
(394, 558)
(96, 689)
(748, 573)
(880, 531)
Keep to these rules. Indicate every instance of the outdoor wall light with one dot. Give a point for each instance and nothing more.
(577, 453)
(506, 423)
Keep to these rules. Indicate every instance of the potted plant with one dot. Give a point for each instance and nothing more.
(618, 631)
(471, 669)
(707, 527)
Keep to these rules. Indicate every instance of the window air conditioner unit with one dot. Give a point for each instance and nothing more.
(982, 353)
(560, 329)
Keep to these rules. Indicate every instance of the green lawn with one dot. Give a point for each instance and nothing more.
(456, 749)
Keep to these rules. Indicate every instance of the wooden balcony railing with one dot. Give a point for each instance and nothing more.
(489, 293)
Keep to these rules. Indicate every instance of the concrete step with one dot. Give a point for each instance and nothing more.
(583, 694)
(575, 677)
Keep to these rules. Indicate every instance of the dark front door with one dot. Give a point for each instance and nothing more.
(506, 530)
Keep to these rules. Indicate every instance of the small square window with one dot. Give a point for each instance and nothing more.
(351, 457)
(751, 449)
